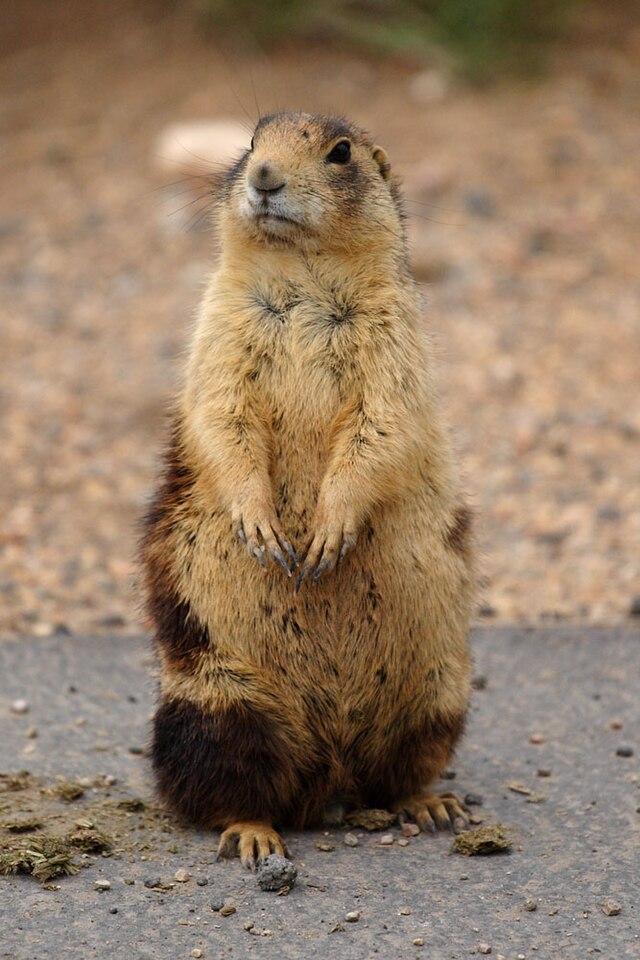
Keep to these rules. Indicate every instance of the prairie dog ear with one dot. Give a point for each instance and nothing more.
(381, 158)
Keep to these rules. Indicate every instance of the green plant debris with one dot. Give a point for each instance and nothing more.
(133, 805)
(516, 787)
(41, 857)
(26, 825)
(11, 782)
(90, 841)
(371, 819)
(484, 840)
(69, 791)
(46, 857)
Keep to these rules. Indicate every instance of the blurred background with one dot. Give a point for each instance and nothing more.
(516, 129)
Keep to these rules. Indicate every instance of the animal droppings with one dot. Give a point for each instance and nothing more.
(371, 819)
(484, 840)
(276, 873)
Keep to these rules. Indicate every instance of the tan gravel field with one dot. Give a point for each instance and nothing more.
(524, 203)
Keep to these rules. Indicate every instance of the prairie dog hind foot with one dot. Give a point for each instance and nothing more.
(251, 840)
(433, 812)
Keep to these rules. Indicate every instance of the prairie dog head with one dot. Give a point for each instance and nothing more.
(314, 183)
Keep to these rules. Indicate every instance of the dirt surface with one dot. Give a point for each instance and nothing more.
(524, 205)
(546, 755)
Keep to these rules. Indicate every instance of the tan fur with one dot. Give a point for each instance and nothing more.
(325, 433)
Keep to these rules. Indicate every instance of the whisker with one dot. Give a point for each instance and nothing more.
(200, 199)
(434, 206)
(443, 223)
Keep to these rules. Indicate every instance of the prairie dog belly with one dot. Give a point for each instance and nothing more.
(313, 640)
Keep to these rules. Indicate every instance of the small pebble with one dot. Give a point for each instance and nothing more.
(543, 772)
(624, 751)
(610, 907)
(31, 733)
(537, 738)
(249, 925)
(410, 829)
(130, 882)
(479, 203)
(102, 885)
(216, 906)
(202, 881)
(20, 706)
(403, 842)
(182, 876)
(276, 873)
(386, 840)
(227, 909)
(196, 953)
(110, 780)
(404, 912)
(350, 840)
(531, 905)
(352, 917)
(479, 682)
(151, 882)
(484, 948)
(473, 799)
(113, 910)
(418, 942)
(486, 610)
(616, 724)
(448, 775)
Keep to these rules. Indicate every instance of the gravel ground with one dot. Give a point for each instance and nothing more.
(543, 757)
(524, 212)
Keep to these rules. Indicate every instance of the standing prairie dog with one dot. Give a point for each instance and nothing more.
(307, 555)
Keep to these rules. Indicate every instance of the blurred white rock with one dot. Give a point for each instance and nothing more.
(200, 146)
(428, 86)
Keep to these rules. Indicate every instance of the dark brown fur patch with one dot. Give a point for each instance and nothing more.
(177, 630)
(213, 768)
(459, 532)
(176, 483)
(411, 760)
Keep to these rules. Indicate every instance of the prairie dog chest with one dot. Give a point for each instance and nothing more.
(302, 342)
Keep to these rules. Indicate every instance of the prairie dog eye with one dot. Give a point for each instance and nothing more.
(251, 147)
(341, 153)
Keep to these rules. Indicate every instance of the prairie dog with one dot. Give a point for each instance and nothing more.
(308, 557)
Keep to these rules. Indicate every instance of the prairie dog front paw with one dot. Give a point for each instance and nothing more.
(258, 527)
(334, 537)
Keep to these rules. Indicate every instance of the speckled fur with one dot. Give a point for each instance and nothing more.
(309, 406)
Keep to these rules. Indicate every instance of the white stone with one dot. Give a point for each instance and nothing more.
(200, 147)
(428, 86)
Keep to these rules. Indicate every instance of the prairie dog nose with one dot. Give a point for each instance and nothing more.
(266, 177)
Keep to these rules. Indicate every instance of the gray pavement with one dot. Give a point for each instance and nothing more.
(90, 699)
